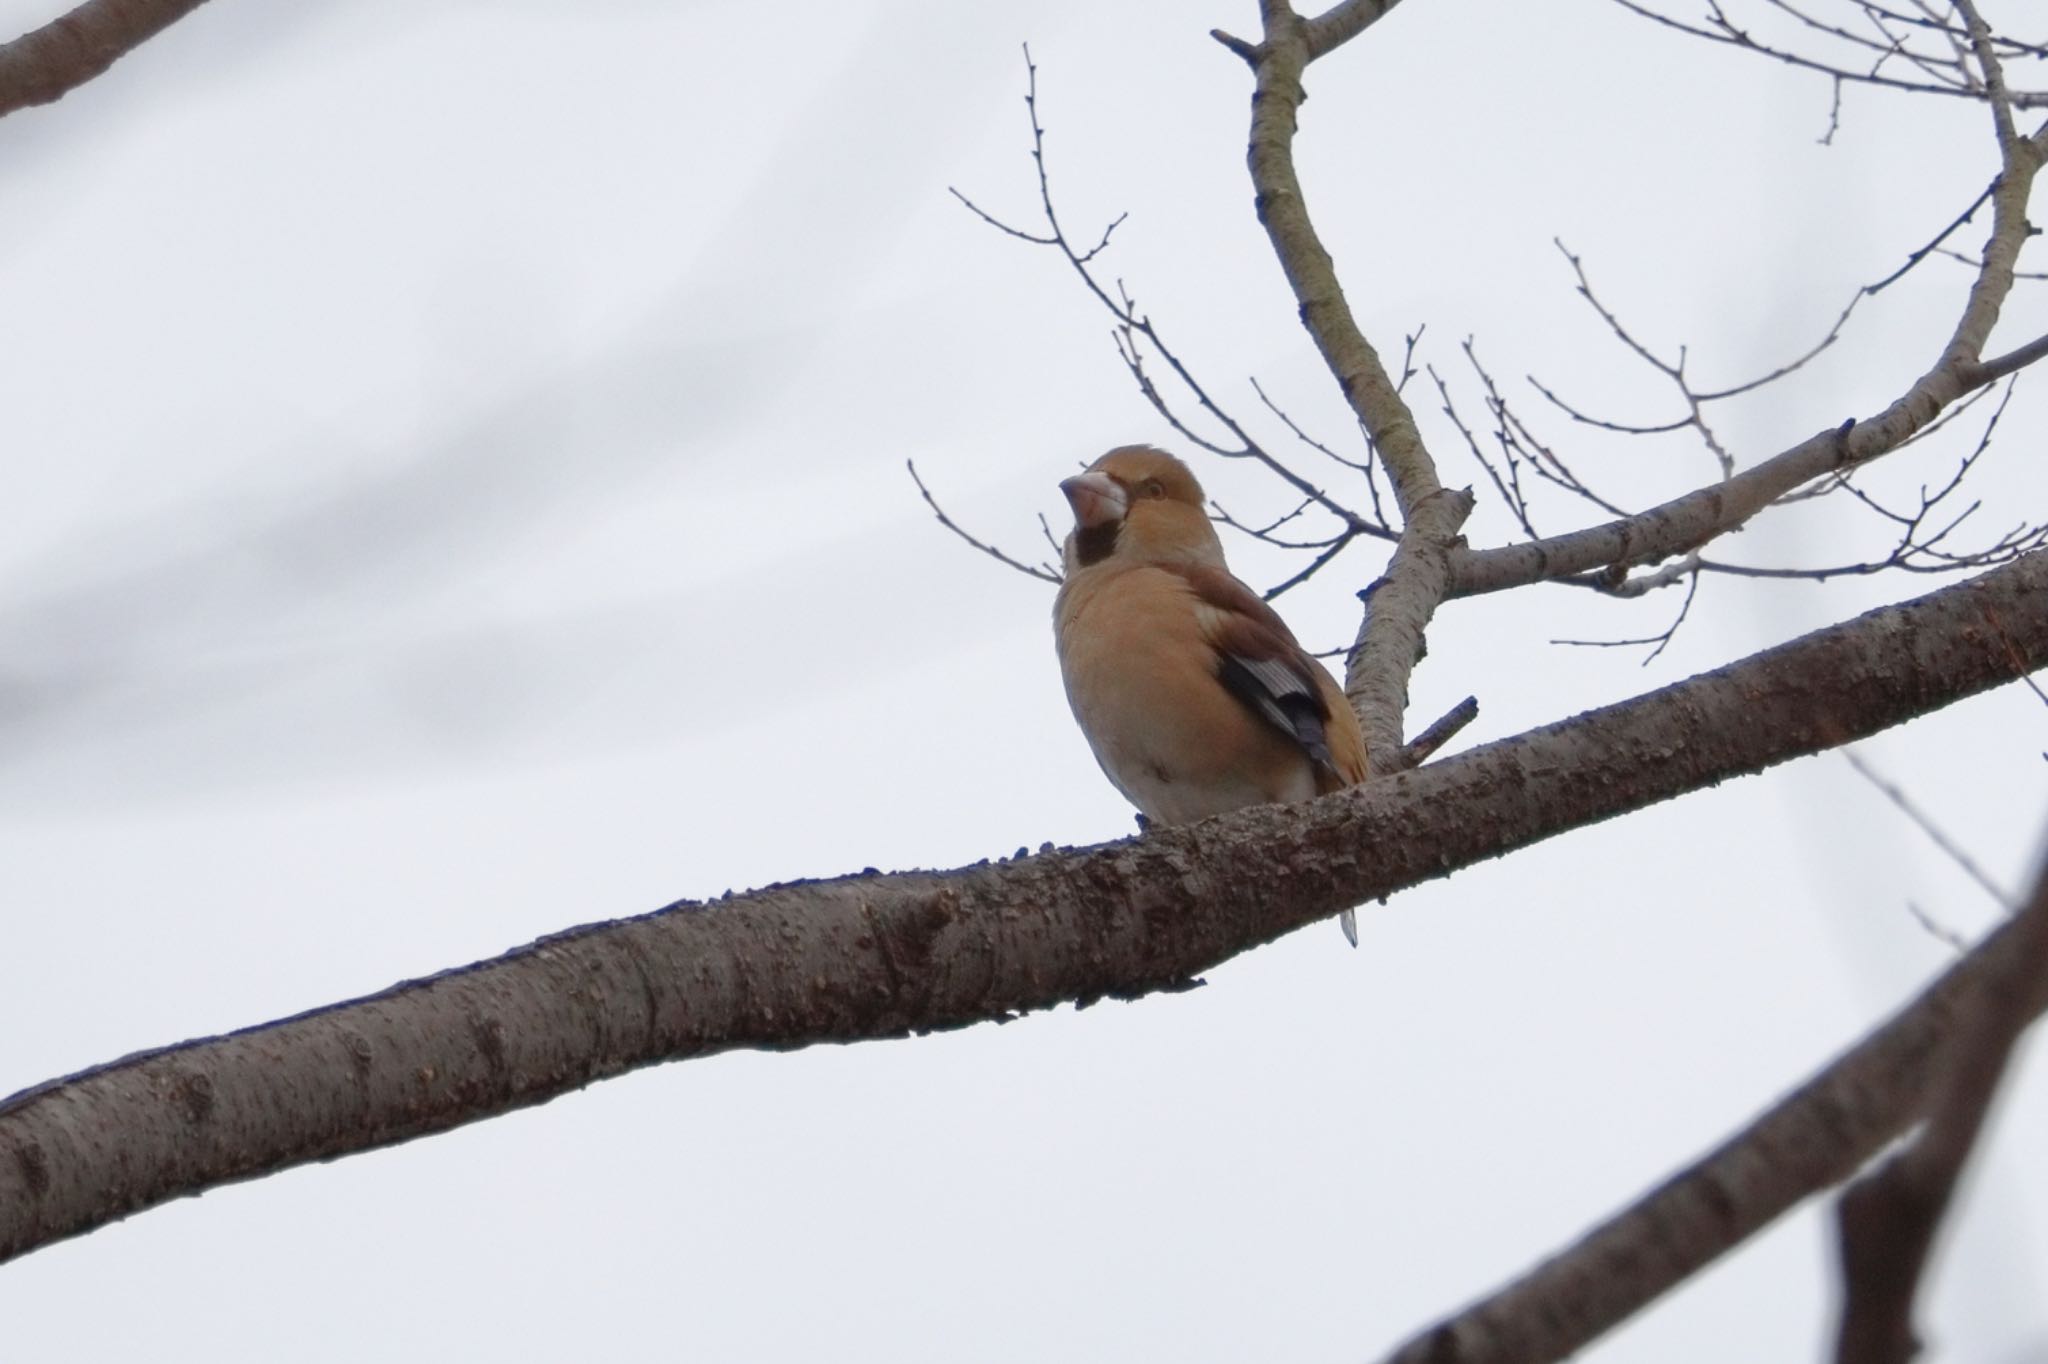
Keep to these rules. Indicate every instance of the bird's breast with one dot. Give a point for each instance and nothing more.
(1142, 678)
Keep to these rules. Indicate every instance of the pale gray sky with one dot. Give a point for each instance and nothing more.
(454, 490)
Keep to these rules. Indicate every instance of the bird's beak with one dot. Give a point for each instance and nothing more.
(1097, 499)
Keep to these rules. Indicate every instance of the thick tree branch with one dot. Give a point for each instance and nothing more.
(874, 956)
(1814, 1138)
(1391, 633)
(1398, 609)
(1341, 23)
(1311, 274)
(1888, 1220)
(1684, 523)
(45, 64)
(1326, 32)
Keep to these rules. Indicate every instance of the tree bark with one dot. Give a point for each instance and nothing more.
(48, 63)
(873, 956)
(1815, 1137)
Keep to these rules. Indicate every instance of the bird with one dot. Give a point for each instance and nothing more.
(1192, 692)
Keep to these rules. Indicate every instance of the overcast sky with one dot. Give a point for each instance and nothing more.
(453, 489)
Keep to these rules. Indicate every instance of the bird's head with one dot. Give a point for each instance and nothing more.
(1141, 505)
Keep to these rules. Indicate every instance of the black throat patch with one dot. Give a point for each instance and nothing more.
(1093, 544)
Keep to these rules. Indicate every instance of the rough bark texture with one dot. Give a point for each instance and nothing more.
(1406, 597)
(1339, 24)
(48, 63)
(1814, 1138)
(1887, 1221)
(1398, 610)
(874, 956)
(1310, 272)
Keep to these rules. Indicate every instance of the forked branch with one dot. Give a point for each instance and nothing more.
(1814, 1138)
(1139, 342)
(872, 956)
(1684, 524)
(1887, 1221)
(1914, 54)
(1401, 604)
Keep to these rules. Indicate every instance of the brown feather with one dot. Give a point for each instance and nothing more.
(1192, 691)
(1244, 625)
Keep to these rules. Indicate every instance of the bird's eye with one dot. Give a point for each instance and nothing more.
(1151, 487)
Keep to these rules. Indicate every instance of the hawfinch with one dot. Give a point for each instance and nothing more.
(1193, 693)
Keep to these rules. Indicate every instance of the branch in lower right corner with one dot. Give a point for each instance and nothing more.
(1887, 1221)
(1813, 1138)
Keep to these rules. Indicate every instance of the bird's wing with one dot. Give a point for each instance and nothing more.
(1261, 663)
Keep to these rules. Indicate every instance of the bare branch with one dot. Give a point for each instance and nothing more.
(1398, 608)
(1925, 823)
(1688, 522)
(1695, 400)
(872, 956)
(1887, 1221)
(1935, 929)
(1933, 245)
(1516, 437)
(1994, 76)
(1011, 231)
(1340, 23)
(1311, 274)
(1315, 565)
(1423, 746)
(1919, 548)
(1817, 1136)
(1641, 584)
(1045, 529)
(1266, 532)
(1042, 572)
(1834, 334)
(1377, 525)
(1390, 636)
(1248, 51)
(2013, 361)
(1718, 28)
(1506, 481)
(1661, 640)
(45, 64)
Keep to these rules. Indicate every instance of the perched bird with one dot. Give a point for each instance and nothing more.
(1192, 691)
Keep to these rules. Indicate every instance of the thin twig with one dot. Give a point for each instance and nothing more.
(1925, 823)
(1720, 30)
(1131, 326)
(1043, 572)
(1661, 640)
(1423, 746)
